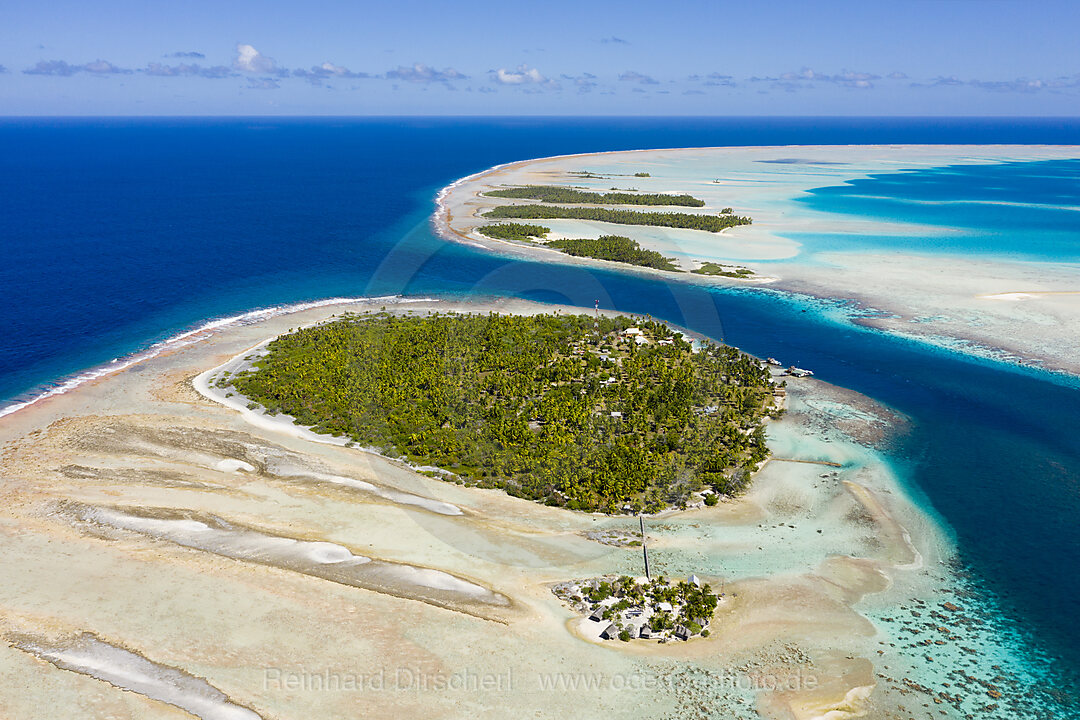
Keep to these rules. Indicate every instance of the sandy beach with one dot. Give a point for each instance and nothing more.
(1010, 309)
(202, 559)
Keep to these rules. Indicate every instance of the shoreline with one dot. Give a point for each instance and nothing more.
(83, 426)
(442, 225)
(201, 331)
(974, 328)
(91, 385)
(286, 424)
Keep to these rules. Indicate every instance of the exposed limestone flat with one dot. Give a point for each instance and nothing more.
(204, 554)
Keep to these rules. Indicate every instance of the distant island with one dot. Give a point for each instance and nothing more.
(577, 202)
(711, 268)
(570, 196)
(588, 413)
(514, 231)
(616, 248)
(692, 221)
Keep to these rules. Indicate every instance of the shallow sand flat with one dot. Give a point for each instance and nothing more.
(944, 299)
(1020, 311)
(269, 635)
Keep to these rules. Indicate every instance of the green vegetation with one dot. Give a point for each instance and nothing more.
(727, 211)
(667, 605)
(711, 268)
(613, 247)
(569, 196)
(626, 419)
(711, 223)
(513, 231)
(642, 174)
(691, 603)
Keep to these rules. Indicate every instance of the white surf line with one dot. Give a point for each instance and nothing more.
(130, 671)
(198, 334)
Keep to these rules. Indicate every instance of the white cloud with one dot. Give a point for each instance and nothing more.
(104, 67)
(420, 73)
(806, 78)
(327, 71)
(248, 59)
(338, 70)
(53, 67)
(639, 78)
(186, 69)
(64, 69)
(523, 75)
(1019, 85)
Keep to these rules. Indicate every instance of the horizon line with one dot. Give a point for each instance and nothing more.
(538, 116)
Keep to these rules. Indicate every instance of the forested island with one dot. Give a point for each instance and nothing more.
(513, 231)
(607, 247)
(711, 268)
(693, 221)
(570, 196)
(606, 414)
(616, 248)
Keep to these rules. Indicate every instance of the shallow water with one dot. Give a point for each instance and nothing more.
(1028, 211)
(155, 226)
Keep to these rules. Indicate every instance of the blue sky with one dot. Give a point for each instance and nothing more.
(901, 57)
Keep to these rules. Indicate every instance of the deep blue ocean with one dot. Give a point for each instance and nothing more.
(117, 233)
